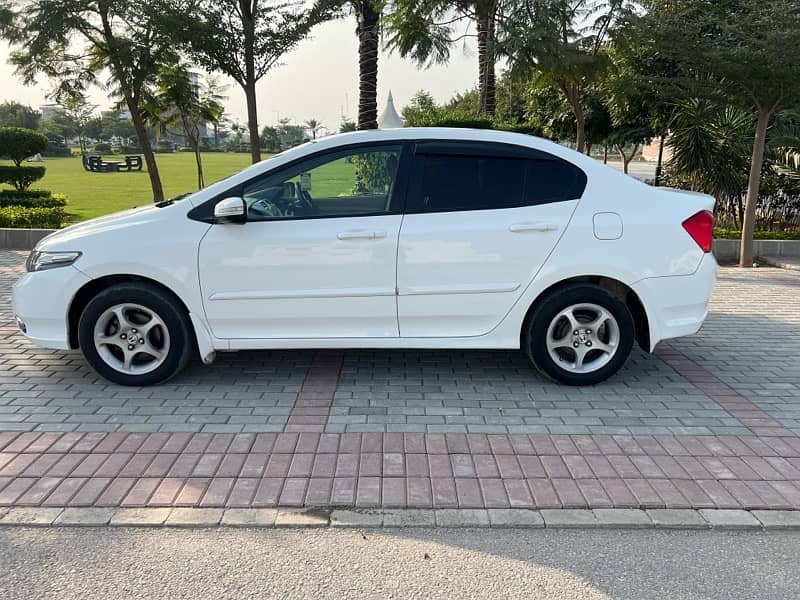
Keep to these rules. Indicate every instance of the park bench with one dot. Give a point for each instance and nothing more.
(95, 164)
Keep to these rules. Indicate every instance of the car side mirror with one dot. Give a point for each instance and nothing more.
(230, 210)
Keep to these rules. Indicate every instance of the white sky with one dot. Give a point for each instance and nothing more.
(317, 80)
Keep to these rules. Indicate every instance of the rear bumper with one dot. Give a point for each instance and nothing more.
(41, 302)
(677, 306)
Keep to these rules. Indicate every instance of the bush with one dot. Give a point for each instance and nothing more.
(55, 201)
(130, 150)
(56, 147)
(102, 148)
(20, 177)
(26, 194)
(35, 218)
(18, 143)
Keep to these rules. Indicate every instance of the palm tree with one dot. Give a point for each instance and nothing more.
(313, 127)
(368, 17)
(424, 30)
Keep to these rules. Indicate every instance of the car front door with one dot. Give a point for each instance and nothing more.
(481, 220)
(317, 255)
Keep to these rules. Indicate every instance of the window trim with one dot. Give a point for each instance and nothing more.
(455, 149)
(205, 211)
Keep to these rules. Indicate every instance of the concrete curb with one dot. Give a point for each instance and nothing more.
(602, 518)
(21, 239)
(791, 264)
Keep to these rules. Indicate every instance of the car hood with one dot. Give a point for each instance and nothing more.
(70, 238)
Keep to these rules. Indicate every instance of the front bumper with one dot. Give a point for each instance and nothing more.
(677, 305)
(41, 302)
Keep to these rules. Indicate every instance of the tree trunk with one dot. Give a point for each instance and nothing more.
(660, 161)
(573, 96)
(367, 31)
(486, 59)
(588, 149)
(252, 120)
(605, 154)
(147, 150)
(199, 162)
(753, 185)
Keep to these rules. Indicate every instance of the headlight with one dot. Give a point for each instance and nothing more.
(39, 261)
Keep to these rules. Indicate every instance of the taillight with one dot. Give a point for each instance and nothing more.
(701, 227)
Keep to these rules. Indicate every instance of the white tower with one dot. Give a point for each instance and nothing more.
(389, 118)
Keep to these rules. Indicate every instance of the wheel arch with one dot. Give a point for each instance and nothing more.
(89, 290)
(615, 287)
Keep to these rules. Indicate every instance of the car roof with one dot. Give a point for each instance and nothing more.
(586, 163)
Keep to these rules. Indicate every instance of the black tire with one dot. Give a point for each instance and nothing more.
(173, 315)
(535, 332)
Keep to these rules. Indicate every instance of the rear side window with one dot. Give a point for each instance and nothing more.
(446, 183)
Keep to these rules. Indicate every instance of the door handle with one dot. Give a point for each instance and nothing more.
(360, 235)
(535, 226)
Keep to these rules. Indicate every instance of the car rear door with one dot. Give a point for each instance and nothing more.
(481, 219)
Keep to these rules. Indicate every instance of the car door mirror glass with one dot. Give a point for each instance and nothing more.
(230, 210)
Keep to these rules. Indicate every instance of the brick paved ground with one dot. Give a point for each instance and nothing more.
(710, 421)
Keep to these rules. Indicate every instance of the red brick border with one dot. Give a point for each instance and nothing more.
(312, 407)
(399, 470)
(736, 405)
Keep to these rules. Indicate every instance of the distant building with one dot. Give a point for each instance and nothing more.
(650, 151)
(50, 110)
(389, 118)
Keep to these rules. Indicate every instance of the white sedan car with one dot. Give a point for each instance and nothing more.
(407, 238)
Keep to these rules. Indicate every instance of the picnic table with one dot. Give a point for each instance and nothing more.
(95, 164)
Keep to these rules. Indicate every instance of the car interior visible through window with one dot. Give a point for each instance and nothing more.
(356, 183)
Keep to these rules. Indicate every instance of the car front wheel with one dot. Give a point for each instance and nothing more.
(580, 335)
(135, 334)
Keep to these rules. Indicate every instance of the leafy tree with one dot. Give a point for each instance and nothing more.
(180, 100)
(245, 39)
(740, 46)
(290, 135)
(72, 41)
(77, 114)
(14, 114)
(425, 30)
(562, 42)
(19, 143)
(421, 103)
(115, 124)
(271, 139)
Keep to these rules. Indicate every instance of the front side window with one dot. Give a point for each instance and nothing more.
(347, 183)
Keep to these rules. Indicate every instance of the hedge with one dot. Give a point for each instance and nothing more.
(35, 218)
(20, 177)
(26, 194)
(53, 201)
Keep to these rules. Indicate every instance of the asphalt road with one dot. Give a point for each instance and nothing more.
(113, 563)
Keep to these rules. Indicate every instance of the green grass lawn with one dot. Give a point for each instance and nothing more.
(93, 194)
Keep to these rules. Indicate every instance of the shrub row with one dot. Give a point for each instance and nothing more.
(35, 218)
(52, 201)
(26, 194)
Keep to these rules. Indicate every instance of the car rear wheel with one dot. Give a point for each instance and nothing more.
(580, 335)
(135, 334)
